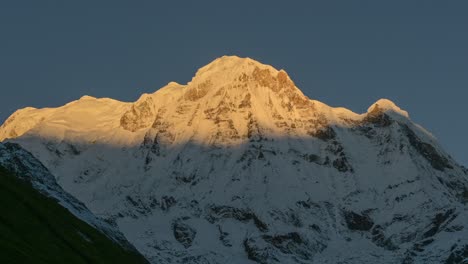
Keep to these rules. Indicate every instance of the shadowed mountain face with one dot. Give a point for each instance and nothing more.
(40, 223)
(239, 166)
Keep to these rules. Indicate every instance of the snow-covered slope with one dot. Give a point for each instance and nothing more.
(20, 162)
(238, 166)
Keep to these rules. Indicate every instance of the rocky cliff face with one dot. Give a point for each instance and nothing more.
(239, 166)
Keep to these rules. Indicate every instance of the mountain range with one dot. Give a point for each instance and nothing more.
(239, 166)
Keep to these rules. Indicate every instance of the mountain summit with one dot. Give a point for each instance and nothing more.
(239, 166)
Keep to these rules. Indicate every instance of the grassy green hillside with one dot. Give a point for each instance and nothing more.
(36, 229)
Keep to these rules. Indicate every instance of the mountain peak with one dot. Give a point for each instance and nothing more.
(87, 97)
(384, 106)
(230, 61)
(239, 76)
(229, 68)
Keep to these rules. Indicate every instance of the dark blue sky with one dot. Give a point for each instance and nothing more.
(344, 53)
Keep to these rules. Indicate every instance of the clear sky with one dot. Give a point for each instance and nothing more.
(343, 53)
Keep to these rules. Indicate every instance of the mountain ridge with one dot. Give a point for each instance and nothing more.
(42, 223)
(215, 74)
(27, 168)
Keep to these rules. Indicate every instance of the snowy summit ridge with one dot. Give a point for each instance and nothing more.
(239, 166)
(229, 81)
(385, 105)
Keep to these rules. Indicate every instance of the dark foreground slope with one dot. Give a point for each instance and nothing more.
(36, 229)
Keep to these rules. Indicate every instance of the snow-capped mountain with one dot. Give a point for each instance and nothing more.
(239, 166)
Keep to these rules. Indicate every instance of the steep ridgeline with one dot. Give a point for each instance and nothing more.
(41, 223)
(238, 166)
